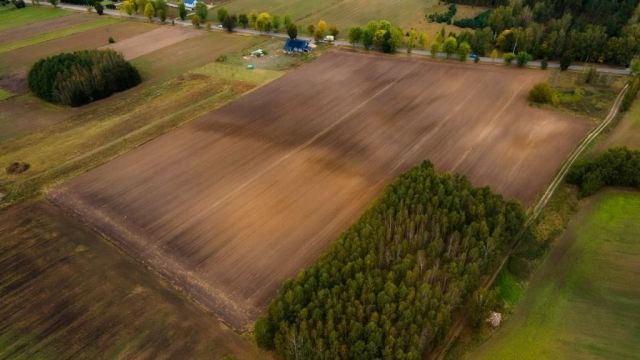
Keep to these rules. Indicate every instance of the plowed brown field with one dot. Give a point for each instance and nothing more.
(233, 204)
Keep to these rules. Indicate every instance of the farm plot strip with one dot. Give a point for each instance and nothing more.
(12, 17)
(52, 35)
(231, 205)
(151, 41)
(21, 32)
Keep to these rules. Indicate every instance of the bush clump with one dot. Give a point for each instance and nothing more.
(541, 93)
(616, 167)
(81, 77)
(632, 93)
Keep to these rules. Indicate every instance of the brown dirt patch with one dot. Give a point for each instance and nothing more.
(231, 205)
(16, 83)
(17, 168)
(40, 27)
(151, 41)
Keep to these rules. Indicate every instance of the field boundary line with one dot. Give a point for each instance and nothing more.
(457, 328)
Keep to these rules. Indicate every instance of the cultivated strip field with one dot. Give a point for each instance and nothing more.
(230, 205)
(347, 13)
(18, 60)
(40, 27)
(151, 41)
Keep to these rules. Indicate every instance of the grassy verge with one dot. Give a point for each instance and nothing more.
(626, 132)
(4, 94)
(12, 17)
(67, 293)
(93, 137)
(103, 21)
(591, 99)
(584, 302)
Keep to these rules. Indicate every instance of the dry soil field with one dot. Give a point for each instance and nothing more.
(234, 203)
(151, 41)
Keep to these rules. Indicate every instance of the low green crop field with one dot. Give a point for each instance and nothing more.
(103, 21)
(584, 300)
(11, 17)
(346, 13)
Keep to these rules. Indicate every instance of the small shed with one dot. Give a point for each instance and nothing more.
(495, 318)
(293, 46)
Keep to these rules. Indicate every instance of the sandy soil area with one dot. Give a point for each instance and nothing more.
(233, 204)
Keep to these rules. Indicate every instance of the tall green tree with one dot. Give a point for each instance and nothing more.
(201, 11)
(182, 11)
(292, 31)
(450, 46)
(222, 14)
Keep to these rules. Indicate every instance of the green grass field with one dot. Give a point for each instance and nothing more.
(102, 21)
(11, 17)
(584, 300)
(346, 13)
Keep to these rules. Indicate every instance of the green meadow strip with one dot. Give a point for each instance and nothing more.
(4, 94)
(12, 17)
(57, 34)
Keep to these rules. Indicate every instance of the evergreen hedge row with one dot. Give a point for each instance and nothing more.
(388, 286)
(616, 167)
(81, 77)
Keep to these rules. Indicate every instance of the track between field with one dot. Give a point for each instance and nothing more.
(537, 210)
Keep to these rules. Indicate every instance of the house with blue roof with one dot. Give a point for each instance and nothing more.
(190, 4)
(293, 46)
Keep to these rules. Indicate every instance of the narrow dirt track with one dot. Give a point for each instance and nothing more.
(233, 204)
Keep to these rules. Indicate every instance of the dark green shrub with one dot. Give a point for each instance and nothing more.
(523, 58)
(477, 22)
(111, 40)
(544, 64)
(616, 167)
(81, 77)
(19, 4)
(632, 93)
(541, 93)
(565, 62)
(99, 8)
(508, 58)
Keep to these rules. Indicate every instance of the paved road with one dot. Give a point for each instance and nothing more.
(483, 59)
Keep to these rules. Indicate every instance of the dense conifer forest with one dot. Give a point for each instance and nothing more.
(388, 286)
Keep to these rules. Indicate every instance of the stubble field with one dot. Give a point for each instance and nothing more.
(234, 203)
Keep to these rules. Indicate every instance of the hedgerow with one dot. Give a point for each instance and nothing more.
(81, 77)
(615, 167)
(388, 286)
